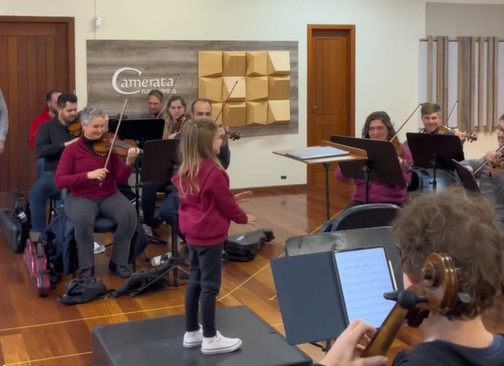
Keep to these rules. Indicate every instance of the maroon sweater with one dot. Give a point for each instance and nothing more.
(205, 217)
(77, 160)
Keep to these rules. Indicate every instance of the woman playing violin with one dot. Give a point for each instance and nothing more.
(175, 109)
(455, 336)
(93, 193)
(379, 127)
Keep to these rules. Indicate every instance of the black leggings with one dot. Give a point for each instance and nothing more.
(205, 280)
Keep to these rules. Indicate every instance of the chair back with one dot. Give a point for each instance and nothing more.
(366, 216)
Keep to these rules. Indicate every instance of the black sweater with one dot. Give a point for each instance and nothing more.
(441, 353)
(50, 142)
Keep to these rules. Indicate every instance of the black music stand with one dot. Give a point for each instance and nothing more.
(160, 162)
(466, 177)
(435, 151)
(140, 131)
(381, 166)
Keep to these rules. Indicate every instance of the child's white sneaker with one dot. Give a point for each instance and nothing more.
(193, 339)
(220, 344)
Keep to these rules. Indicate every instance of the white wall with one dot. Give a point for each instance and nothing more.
(387, 53)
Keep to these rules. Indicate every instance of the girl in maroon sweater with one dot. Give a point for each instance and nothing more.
(207, 206)
(93, 192)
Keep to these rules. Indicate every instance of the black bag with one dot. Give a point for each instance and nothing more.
(145, 281)
(244, 247)
(13, 230)
(16, 202)
(81, 291)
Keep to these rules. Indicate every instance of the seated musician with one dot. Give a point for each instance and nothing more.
(93, 193)
(154, 103)
(51, 140)
(491, 176)
(379, 127)
(175, 116)
(432, 121)
(455, 337)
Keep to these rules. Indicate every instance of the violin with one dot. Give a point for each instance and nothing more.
(103, 146)
(443, 129)
(75, 128)
(437, 290)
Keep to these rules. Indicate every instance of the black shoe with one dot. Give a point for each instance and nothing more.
(87, 273)
(119, 271)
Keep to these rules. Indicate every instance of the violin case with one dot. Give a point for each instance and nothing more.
(13, 230)
(244, 247)
(37, 264)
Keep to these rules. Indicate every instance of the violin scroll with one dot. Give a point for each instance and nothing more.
(437, 290)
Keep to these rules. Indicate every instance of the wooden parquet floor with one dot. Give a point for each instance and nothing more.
(41, 332)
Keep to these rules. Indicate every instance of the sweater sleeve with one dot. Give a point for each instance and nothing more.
(4, 118)
(339, 175)
(408, 158)
(44, 148)
(224, 156)
(65, 176)
(121, 171)
(225, 198)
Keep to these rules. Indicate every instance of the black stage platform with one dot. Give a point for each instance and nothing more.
(158, 342)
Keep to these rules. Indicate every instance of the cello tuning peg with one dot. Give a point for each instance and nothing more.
(464, 298)
(394, 295)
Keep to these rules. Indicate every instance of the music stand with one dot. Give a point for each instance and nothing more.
(466, 177)
(381, 166)
(435, 151)
(324, 154)
(160, 162)
(140, 131)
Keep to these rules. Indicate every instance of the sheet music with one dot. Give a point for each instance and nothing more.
(364, 276)
(318, 152)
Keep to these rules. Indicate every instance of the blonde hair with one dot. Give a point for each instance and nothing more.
(196, 145)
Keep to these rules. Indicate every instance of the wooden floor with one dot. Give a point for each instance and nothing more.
(41, 332)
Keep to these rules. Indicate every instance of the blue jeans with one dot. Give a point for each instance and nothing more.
(39, 166)
(149, 193)
(169, 208)
(43, 190)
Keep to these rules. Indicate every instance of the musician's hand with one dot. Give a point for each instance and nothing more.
(132, 155)
(172, 136)
(469, 168)
(98, 174)
(251, 220)
(243, 196)
(346, 350)
(71, 141)
(491, 157)
(462, 136)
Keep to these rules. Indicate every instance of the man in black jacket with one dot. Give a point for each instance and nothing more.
(52, 138)
(466, 228)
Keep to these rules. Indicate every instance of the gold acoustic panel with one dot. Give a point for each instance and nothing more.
(261, 82)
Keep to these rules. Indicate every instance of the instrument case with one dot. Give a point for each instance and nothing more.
(13, 230)
(37, 264)
(244, 247)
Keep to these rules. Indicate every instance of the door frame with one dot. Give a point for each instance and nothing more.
(70, 24)
(310, 80)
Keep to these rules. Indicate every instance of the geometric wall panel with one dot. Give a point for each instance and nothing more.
(234, 114)
(210, 63)
(278, 112)
(261, 82)
(278, 87)
(257, 113)
(233, 63)
(278, 63)
(257, 63)
(257, 88)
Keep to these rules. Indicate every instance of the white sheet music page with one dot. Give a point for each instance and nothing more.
(364, 276)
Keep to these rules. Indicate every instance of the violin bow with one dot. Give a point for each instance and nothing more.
(404, 123)
(451, 112)
(225, 102)
(115, 134)
(165, 104)
(191, 90)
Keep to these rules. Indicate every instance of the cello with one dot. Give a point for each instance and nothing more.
(436, 291)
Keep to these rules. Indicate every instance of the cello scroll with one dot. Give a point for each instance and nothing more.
(437, 291)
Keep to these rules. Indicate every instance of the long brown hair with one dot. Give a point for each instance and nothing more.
(196, 145)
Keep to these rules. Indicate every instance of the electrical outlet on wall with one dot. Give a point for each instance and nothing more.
(283, 177)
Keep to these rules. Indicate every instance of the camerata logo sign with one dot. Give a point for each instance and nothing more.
(128, 81)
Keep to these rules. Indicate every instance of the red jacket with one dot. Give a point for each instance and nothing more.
(205, 217)
(77, 160)
(44, 117)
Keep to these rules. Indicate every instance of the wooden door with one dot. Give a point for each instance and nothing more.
(331, 89)
(37, 55)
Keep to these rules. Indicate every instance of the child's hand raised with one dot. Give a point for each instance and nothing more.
(251, 220)
(243, 196)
